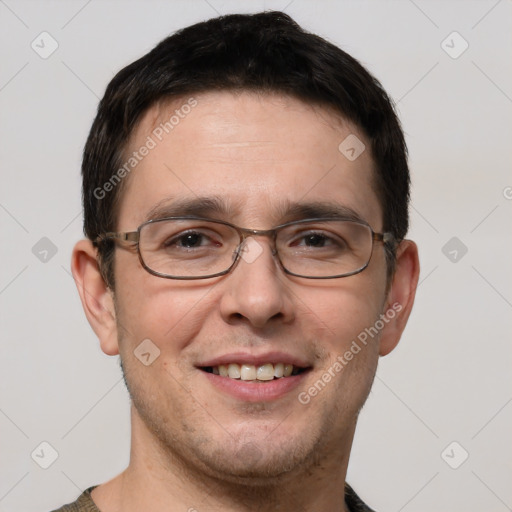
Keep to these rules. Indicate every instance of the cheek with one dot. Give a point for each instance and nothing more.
(342, 312)
(159, 309)
(346, 334)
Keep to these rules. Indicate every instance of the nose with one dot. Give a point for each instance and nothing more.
(256, 291)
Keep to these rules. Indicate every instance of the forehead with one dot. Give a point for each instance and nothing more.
(258, 156)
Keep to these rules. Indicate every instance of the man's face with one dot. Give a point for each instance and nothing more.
(259, 156)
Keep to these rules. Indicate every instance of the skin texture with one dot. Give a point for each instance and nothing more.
(194, 446)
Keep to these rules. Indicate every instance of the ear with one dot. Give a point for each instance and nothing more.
(401, 295)
(97, 298)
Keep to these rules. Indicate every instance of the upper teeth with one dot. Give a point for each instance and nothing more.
(251, 372)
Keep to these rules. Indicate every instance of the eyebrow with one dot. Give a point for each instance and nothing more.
(197, 207)
(215, 207)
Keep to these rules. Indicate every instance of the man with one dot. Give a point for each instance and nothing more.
(245, 191)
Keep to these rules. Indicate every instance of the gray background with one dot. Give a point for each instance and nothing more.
(449, 379)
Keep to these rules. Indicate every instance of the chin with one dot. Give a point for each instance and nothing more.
(255, 463)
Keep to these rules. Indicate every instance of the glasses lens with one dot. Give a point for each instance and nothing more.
(187, 248)
(325, 248)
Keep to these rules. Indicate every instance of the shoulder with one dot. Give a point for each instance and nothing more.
(354, 502)
(84, 503)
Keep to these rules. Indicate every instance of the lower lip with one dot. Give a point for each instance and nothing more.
(256, 391)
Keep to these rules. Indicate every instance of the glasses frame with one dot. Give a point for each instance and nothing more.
(386, 238)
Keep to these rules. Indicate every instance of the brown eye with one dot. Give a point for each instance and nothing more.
(191, 240)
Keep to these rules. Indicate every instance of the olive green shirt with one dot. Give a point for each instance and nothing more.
(84, 502)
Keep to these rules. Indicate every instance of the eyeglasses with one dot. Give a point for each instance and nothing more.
(199, 248)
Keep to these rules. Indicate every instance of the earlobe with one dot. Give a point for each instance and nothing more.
(97, 298)
(400, 298)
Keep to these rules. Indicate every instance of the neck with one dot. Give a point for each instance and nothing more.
(156, 478)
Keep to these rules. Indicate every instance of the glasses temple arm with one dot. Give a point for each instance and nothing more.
(131, 236)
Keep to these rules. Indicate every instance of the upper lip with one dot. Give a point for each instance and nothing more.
(255, 359)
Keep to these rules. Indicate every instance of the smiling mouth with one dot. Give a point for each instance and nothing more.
(249, 372)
